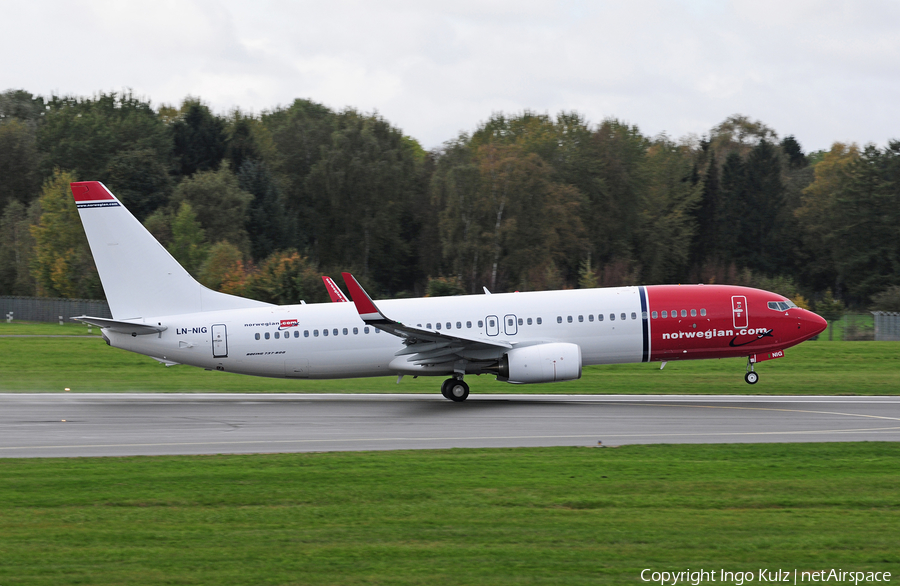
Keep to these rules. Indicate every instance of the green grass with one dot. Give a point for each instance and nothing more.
(498, 516)
(24, 328)
(88, 365)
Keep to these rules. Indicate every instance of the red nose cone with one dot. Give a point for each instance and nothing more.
(820, 322)
(815, 324)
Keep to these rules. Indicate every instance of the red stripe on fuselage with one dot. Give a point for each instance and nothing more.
(715, 334)
(90, 191)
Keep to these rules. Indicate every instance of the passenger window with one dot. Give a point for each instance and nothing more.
(529, 321)
(622, 317)
(683, 313)
(277, 335)
(569, 319)
(449, 326)
(426, 325)
(520, 321)
(480, 323)
(366, 330)
(492, 324)
(334, 331)
(703, 312)
(643, 315)
(539, 322)
(591, 317)
(324, 332)
(377, 331)
(580, 319)
(559, 319)
(267, 335)
(665, 314)
(437, 325)
(345, 331)
(315, 333)
(612, 317)
(305, 333)
(655, 315)
(257, 336)
(355, 331)
(469, 324)
(296, 333)
(458, 325)
(693, 313)
(599, 317)
(509, 322)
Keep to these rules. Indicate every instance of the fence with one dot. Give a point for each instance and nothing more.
(887, 326)
(50, 310)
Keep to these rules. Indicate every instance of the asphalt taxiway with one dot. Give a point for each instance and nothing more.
(52, 425)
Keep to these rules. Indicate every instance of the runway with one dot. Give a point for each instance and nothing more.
(77, 425)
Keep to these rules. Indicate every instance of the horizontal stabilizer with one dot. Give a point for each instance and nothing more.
(121, 327)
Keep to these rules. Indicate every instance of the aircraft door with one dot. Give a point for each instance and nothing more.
(509, 325)
(492, 325)
(220, 341)
(739, 311)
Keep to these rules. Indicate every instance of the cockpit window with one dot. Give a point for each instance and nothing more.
(781, 305)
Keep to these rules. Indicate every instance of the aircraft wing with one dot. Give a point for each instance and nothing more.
(337, 296)
(424, 347)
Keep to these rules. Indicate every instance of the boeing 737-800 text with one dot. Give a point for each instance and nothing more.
(160, 310)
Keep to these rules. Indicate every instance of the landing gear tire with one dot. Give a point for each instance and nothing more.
(751, 378)
(455, 390)
(445, 388)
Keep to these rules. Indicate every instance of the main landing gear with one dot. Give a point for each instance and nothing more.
(455, 389)
(751, 377)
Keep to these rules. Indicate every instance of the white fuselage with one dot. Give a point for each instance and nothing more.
(291, 341)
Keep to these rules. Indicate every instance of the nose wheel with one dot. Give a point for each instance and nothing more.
(751, 377)
(455, 390)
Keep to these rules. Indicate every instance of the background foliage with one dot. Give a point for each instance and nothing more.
(261, 205)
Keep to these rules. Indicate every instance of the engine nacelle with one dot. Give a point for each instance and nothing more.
(542, 363)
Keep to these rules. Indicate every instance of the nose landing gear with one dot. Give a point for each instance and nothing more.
(455, 390)
(751, 377)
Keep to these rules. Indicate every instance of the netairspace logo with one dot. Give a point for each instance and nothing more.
(697, 577)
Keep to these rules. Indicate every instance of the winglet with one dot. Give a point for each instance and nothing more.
(364, 304)
(337, 296)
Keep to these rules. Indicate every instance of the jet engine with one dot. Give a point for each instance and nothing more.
(542, 363)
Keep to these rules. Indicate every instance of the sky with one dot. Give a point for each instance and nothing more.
(821, 70)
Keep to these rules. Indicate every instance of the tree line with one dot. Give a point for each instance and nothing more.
(262, 205)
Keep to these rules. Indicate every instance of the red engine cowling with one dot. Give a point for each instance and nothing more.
(542, 363)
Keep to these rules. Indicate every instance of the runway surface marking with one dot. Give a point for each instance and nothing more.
(467, 438)
(180, 424)
(766, 409)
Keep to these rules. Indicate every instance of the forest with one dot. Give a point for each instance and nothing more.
(261, 205)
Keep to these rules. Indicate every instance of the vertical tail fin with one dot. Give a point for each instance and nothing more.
(139, 276)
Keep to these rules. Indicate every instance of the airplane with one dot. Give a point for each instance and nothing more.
(161, 311)
(337, 296)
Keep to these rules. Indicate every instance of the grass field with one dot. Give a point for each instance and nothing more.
(526, 516)
(46, 364)
(20, 328)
